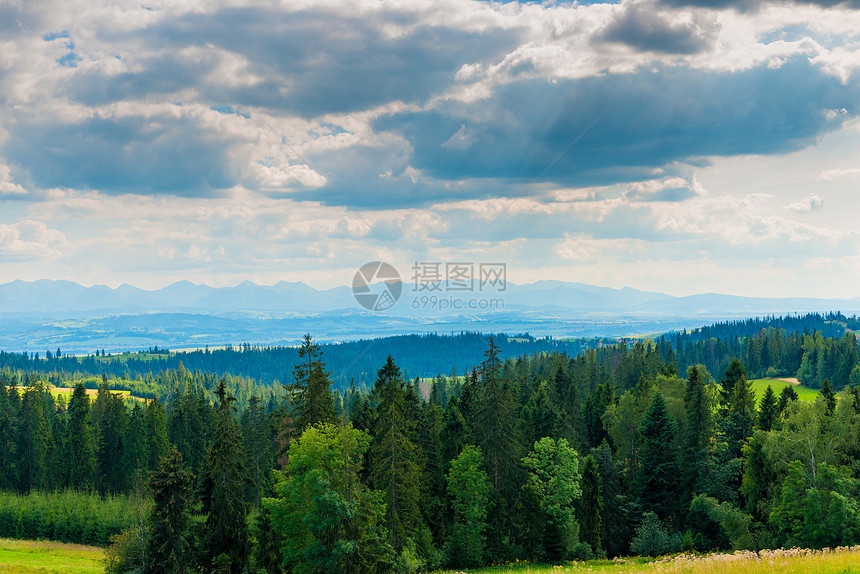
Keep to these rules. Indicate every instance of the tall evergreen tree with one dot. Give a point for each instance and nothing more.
(225, 483)
(827, 395)
(80, 441)
(699, 428)
(8, 438)
(156, 432)
(311, 392)
(33, 441)
(136, 449)
(259, 447)
(659, 472)
(469, 488)
(495, 431)
(111, 428)
(768, 410)
(589, 506)
(169, 544)
(786, 395)
(393, 457)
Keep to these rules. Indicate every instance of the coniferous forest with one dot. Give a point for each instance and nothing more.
(641, 447)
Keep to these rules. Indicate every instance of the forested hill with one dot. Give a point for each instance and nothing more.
(768, 346)
(358, 361)
(832, 324)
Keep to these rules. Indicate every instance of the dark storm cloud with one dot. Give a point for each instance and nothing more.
(311, 63)
(644, 29)
(618, 128)
(140, 155)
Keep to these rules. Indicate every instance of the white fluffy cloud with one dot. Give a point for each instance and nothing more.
(226, 140)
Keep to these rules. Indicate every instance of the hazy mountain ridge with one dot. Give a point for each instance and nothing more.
(46, 314)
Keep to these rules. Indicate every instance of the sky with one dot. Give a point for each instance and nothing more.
(679, 146)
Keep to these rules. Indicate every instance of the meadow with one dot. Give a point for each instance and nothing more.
(760, 386)
(827, 561)
(32, 557)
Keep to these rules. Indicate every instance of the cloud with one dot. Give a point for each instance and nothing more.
(617, 128)
(30, 240)
(643, 28)
(805, 205)
(673, 189)
(8, 187)
(754, 4)
(837, 174)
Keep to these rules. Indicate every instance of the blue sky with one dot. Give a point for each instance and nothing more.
(674, 145)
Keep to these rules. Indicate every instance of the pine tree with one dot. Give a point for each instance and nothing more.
(8, 438)
(33, 441)
(81, 454)
(169, 545)
(826, 394)
(495, 427)
(469, 487)
(156, 432)
(786, 395)
(110, 430)
(311, 392)
(394, 470)
(699, 427)
(136, 449)
(659, 472)
(734, 373)
(768, 410)
(495, 431)
(589, 507)
(225, 483)
(259, 447)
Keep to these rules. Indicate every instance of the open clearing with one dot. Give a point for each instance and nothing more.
(803, 393)
(27, 557)
(838, 561)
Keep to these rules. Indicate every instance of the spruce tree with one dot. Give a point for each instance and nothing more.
(169, 544)
(827, 395)
(8, 438)
(733, 374)
(225, 483)
(786, 395)
(136, 449)
(80, 441)
(311, 392)
(32, 442)
(259, 447)
(589, 507)
(768, 410)
(110, 431)
(156, 432)
(469, 488)
(699, 428)
(393, 457)
(659, 472)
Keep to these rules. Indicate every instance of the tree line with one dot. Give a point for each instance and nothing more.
(544, 457)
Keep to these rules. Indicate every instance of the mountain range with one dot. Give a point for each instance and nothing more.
(44, 314)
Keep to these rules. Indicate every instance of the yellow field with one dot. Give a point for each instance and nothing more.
(27, 557)
(837, 561)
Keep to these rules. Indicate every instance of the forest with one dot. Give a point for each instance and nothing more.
(632, 448)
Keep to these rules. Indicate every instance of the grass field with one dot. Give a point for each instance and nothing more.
(760, 385)
(838, 561)
(66, 393)
(26, 557)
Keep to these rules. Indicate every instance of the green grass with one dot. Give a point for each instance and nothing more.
(838, 561)
(760, 386)
(26, 557)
